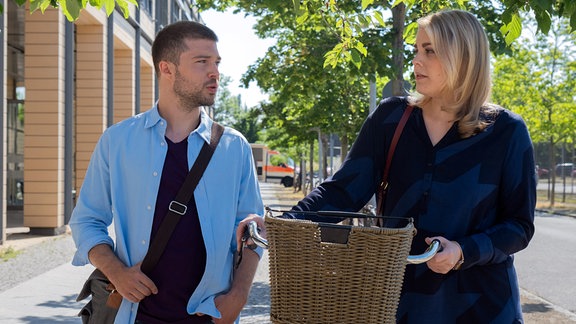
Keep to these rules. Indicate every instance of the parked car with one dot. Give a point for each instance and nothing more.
(565, 170)
(542, 173)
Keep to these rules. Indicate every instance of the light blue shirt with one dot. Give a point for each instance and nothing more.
(121, 186)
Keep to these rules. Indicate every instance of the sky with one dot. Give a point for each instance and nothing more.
(239, 47)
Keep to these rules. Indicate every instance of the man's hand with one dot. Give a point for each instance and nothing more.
(230, 305)
(243, 226)
(131, 282)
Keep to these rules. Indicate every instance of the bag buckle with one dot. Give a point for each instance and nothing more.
(177, 207)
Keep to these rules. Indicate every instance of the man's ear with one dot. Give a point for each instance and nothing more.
(167, 69)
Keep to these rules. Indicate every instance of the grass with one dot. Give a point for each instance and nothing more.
(561, 203)
(8, 253)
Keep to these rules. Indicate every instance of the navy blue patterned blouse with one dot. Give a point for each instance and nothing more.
(479, 191)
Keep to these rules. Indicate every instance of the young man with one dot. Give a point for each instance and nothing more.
(136, 170)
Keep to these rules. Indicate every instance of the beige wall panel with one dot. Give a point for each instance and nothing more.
(123, 85)
(97, 57)
(39, 84)
(49, 15)
(42, 176)
(44, 95)
(40, 61)
(44, 70)
(41, 141)
(90, 35)
(40, 153)
(44, 37)
(41, 187)
(84, 156)
(90, 93)
(88, 120)
(42, 118)
(47, 72)
(42, 165)
(33, 50)
(92, 15)
(43, 130)
(86, 138)
(146, 88)
(41, 198)
(43, 220)
(95, 85)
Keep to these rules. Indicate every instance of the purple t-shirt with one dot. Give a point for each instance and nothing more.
(182, 264)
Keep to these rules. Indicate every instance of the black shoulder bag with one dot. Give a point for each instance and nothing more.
(103, 306)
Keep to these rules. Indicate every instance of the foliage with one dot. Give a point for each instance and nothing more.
(228, 111)
(303, 93)
(537, 81)
(71, 8)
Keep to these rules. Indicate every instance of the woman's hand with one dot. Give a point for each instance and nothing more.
(448, 258)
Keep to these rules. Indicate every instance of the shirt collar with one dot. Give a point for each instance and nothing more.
(204, 129)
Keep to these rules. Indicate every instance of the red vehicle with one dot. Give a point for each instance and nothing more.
(271, 165)
(542, 173)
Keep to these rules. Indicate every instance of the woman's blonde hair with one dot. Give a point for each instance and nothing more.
(462, 47)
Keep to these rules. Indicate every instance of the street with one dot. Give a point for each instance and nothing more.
(546, 267)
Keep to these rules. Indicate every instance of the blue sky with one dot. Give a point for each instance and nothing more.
(239, 47)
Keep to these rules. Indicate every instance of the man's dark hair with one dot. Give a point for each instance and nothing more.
(169, 42)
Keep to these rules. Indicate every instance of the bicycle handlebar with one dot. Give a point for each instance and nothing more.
(430, 252)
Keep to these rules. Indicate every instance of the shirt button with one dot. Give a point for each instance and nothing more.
(162, 144)
(149, 207)
(143, 242)
(155, 173)
(161, 123)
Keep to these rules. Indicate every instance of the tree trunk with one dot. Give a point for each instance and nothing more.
(325, 151)
(343, 148)
(552, 171)
(398, 18)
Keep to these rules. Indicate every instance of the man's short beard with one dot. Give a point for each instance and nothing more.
(190, 99)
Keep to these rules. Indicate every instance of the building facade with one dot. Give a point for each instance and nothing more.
(62, 85)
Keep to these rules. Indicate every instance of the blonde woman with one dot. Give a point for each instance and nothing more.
(463, 170)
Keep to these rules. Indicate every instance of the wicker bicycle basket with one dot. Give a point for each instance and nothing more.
(357, 280)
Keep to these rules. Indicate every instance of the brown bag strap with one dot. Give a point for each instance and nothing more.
(178, 206)
(384, 183)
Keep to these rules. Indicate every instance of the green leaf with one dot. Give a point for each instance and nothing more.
(410, 33)
(73, 8)
(123, 4)
(378, 16)
(109, 6)
(356, 58)
(302, 18)
(366, 3)
(513, 29)
(361, 49)
(544, 21)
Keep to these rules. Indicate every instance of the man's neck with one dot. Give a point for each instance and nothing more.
(180, 122)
